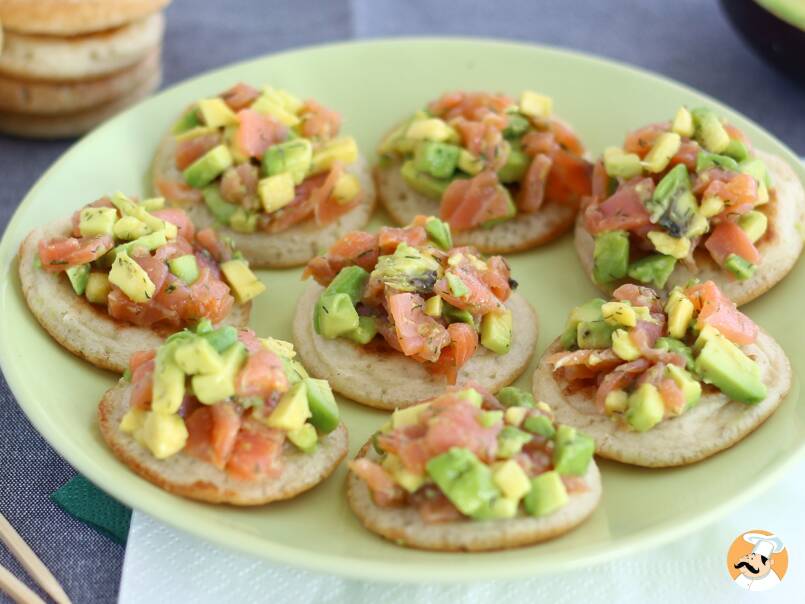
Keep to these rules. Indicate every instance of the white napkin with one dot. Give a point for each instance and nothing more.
(165, 565)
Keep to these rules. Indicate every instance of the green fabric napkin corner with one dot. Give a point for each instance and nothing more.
(86, 502)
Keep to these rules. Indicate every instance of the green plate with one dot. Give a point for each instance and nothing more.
(374, 84)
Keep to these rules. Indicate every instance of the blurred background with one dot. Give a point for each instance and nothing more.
(691, 41)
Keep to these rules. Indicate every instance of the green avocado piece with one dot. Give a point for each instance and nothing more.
(408, 270)
(305, 438)
(756, 168)
(594, 334)
(645, 408)
(423, 183)
(653, 269)
(618, 163)
(185, 268)
(673, 205)
(215, 387)
(221, 338)
(222, 210)
(511, 396)
(741, 268)
(489, 418)
(539, 424)
(725, 366)
(439, 233)
(736, 150)
(689, 386)
(515, 167)
(589, 311)
(496, 331)
(337, 315)
(754, 224)
(611, 256)
(78, 276)
(208, 167)
(511, 441)
(365, 332)
(677, 346)
(293, 156)
(463, 479)
(148, 242)
(457, 287)
(437, 159)
(572, 451)
(187, 121)
(705, 160)
(323, 408)
(457, 315)
(516, 126)
(351, 281)
(547, 494)
(197, 356)
(709, 131)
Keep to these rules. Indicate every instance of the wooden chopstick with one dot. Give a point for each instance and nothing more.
(15, 588)
(31, 563)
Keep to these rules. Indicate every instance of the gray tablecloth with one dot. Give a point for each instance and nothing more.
(688, 40)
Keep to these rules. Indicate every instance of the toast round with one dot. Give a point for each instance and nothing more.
(82, 328)
(68, 125)
(185, 475)
(779, 247)
(81, 57)
(404, 526)
(71, 17)
(714, 424)
(43, 97)
(391, 380)
(291, 247)
(523, 232)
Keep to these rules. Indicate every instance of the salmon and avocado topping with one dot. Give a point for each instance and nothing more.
(644, 362)
(468, 455)
(486, 158)
(263, 160)
(147, 265)
(409, 290)
(675, 188)
(228, 398)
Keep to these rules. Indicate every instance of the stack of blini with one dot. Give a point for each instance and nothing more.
(68, 65)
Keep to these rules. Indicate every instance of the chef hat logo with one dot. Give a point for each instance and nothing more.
(757, 560)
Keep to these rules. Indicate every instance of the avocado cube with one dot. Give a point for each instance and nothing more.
(222, 338)
(616, 402)
(709, 131)
(594, 334)
(677, 346)
(501, 508)
(646, 408)
(539, 424)
(469, 163)
(589, 311)
(611, 256)
(276, 107)
(346, 189)
(511, 479)
(683, 123)
(365, 332)
(619, 313)
(689, 386)
(517, 163)
(672, 205)
(547, 494)
(756, 168)
(536, 105)
(438, 232)
(737, 150)
(128, 208)
(294, 157)
(430, 129)
(216, 387)
(407, 416)
(754, 224)
(516, 126)
(146, 243)
(676, 247)
(401, 475)
(343, 150)
(244, 283)
(324, 412)
(169, 385)
(496, 331)
(163, 434)
(725, 366)
(187, 121)
(463, 479)
(437, 159)
(653, 269)
(511, 441)
(511, 396)
(78, 276)
(408, 269)
(623, 346)
(222, 210)
(276, 191)
(434, 306)
(457, 287)
(514, 416)
(131, 278)
(572, 451)
(706, 160)
(457, 315)
(741, 268)
(304, 438)
(197, 356)
(208, 167)
(129, 228)
(489, 418)
(619, 164)
(292, 411)
(185, 268)
(680, 315)
(471, 396)
(423, 183)
(215, 113)
(243, 221)
(664, 148)
(351, 281)
(337, 316)
(98, 288)
(97, 221)
(133, 420)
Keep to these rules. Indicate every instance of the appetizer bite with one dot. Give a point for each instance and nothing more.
(689, 199)
(395, 316)
(120, 275)
(223, 416)
(663, 384)
(268, 170)
(466, 471)
(506, 176)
